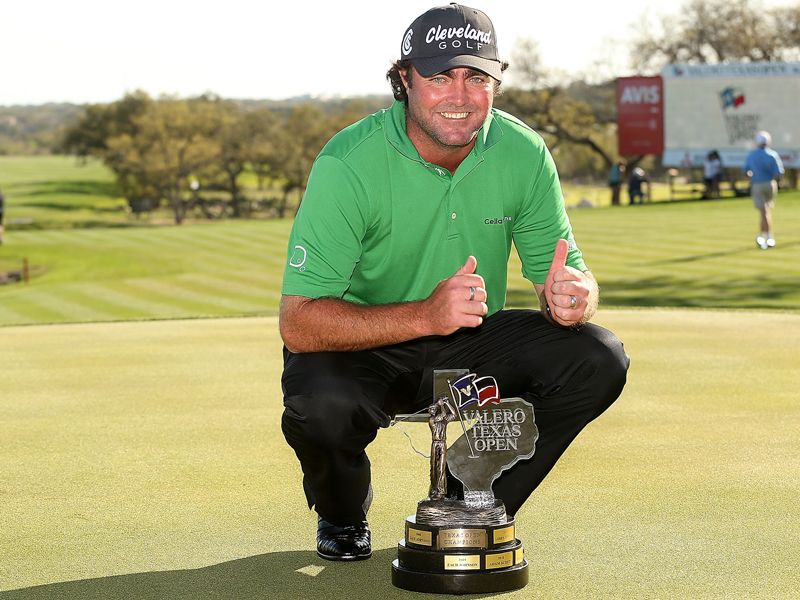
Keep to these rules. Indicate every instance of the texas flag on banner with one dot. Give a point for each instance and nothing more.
(731, 97)
(471, 388)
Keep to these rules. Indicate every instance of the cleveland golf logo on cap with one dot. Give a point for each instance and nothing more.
(449, 37)
(463, 36)
(407, 42)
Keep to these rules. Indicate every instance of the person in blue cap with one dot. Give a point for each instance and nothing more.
(764, 167)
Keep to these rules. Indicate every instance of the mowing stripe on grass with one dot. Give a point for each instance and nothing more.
(131, 299)
(185, 302)
(41, 306)
(214, 300)
(682, 254)
(242, 287)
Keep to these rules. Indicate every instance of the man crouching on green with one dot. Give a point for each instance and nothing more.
(397, 265)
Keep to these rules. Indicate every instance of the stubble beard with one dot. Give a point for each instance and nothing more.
(430, 130)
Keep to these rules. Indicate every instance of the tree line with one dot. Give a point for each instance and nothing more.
(184, 153)
(169, 150)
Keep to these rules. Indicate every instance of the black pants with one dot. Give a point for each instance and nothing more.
(335, 402)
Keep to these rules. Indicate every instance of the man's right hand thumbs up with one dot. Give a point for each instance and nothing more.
(458, 301)
(468, 268)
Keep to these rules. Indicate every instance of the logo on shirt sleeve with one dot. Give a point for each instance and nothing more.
(298, 258)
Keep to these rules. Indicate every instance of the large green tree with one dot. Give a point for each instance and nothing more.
(231, 140)
(100, 122)
(578, 120)
(173, 139)
(262, 133)
(298, 141)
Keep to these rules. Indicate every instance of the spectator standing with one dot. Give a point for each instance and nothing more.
(712, 174)
(638, 186)
(764, 167)
(615, 177)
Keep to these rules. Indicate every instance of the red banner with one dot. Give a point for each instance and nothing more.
(640, 115)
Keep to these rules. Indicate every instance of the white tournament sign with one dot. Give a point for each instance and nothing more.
(721, 107)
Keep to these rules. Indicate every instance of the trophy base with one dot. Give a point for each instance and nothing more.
(505, 580)
(450, 511)
(459, 561)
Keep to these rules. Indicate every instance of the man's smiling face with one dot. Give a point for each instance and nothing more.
(448, 109)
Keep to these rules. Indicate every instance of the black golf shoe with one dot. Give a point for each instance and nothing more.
(352, 542)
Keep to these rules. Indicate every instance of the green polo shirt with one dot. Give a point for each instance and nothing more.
(380, 225)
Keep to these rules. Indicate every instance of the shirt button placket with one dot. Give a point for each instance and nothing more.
(452, 220)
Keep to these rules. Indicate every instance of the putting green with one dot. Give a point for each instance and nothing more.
(145, 460)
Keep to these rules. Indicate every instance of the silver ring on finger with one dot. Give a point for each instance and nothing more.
(573, 301)
(471, 293)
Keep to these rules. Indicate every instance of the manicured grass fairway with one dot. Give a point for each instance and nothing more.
(59, 191)
(145, 460)
(699, 253)
(694, 254)
(229, 268)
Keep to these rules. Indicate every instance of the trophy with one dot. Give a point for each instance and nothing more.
(467, 546)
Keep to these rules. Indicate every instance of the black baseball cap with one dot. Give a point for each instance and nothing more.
(452, 36)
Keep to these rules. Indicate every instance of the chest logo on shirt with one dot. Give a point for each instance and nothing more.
(498, 220)
(298, 258)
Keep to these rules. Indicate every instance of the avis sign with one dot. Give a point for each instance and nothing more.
(640, 115)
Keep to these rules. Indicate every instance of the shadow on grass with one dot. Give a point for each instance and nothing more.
(87, 187)
(87, 224)
(771, 291)
(66, 207)
(709, 255)
(257, 577)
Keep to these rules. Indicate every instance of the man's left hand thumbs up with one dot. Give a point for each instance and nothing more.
(566, 289)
